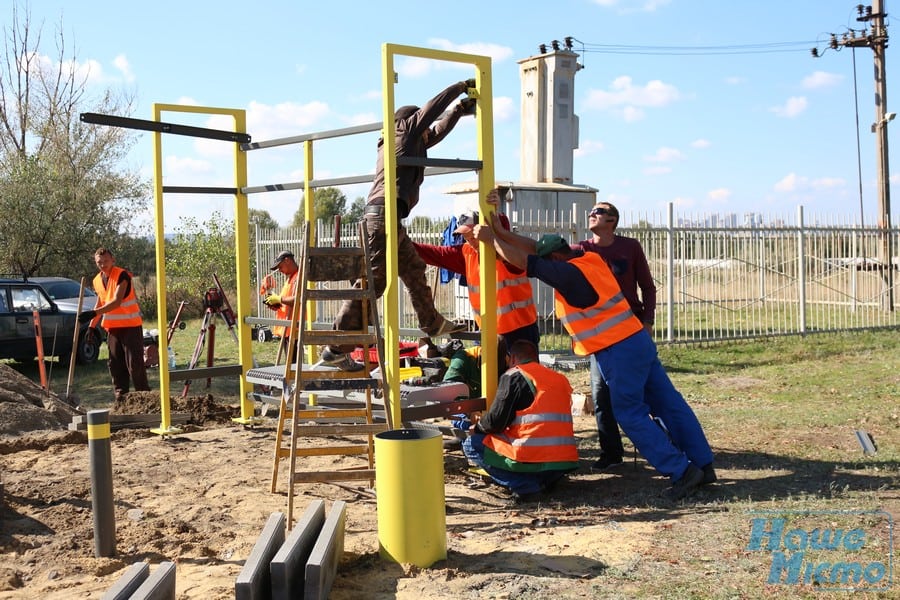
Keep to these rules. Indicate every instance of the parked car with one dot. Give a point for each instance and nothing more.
(65, 291)
(18, 301)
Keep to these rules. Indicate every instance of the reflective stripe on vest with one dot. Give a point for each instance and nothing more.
(543, 432)
(128, 313)
(608, 321)
(515, 300)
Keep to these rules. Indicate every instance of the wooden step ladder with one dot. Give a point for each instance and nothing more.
(327, 273)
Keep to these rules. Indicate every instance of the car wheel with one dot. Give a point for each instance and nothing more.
(263, 334)
(88, 352)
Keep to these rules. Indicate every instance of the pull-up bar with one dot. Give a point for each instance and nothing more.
(158, 126)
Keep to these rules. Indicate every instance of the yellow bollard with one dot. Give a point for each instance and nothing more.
(409, 481)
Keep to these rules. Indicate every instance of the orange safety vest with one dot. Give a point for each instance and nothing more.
(543, 432)
(608, 321)
(128, 314)
(515, 301)
(284, 311)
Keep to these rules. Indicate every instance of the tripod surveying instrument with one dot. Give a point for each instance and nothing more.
(215, 304)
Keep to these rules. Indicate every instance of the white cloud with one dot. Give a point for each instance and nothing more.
(735, 80)
(629, 6)
(790, 182)
(413, 66)
(795, 183)
(121, 63)
(719, 194)
(504, 108)
(791, 108)
(701, 144)
(588, 147)
(828, 183)
(626, 98)
(660, 170)
(681, 202)
(821, 79)
(665, 154)
(176, 165)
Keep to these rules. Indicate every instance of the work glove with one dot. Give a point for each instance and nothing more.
(273, 300)
(92, 335)
(87, 316)
(467, 106)
(470, 83)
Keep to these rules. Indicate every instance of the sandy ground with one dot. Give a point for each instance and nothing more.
(201, 498)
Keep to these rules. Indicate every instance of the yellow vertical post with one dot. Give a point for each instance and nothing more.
(165, 409)
(242, 258)
(487, 256)
(390, 306)
(309, 214)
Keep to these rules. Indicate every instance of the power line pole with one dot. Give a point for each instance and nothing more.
(876, 38)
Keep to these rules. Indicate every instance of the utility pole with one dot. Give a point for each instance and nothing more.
(876, 38)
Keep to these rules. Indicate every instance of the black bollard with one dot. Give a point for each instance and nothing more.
(101, 484)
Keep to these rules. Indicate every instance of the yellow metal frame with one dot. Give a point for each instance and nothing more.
(241, 253)
(488, 283)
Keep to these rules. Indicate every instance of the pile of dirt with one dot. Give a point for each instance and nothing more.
(25, 406)
(203, 409)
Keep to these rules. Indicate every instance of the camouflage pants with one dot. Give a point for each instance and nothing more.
(412, 273)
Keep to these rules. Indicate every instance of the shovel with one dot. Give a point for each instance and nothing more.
(74, 401)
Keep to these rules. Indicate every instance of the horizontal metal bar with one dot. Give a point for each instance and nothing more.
(205, 372)
(194, 189)
(161, 127)
(415, 161)
(318, 135)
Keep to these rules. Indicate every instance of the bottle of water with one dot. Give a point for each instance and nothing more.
(171, 358)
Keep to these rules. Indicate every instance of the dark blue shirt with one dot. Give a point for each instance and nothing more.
(565, 278)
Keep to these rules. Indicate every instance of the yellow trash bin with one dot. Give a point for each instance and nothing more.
(409, 484)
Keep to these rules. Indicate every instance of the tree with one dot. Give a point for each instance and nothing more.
(329, 202)
(197, 252)
(62, 192)
(261, 218)
(357, 210)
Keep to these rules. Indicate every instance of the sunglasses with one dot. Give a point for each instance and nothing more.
(596, 212)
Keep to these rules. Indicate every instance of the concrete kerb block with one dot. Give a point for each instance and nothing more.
(321, 568)
(289, 564)
(160, 585)
(254, 581)
(128, 582)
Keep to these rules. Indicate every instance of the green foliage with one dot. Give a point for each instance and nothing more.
(262, 218)
(329, 202)
(194, 255)
(355, 213)
(62, 190)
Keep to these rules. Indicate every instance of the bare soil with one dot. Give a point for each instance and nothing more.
(201, 498)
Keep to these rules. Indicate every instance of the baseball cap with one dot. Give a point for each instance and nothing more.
(550, 243)
(279, 258)
(466, 222)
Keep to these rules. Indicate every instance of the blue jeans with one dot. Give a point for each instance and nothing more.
(639, 387)
(518, 483)
(607, 428)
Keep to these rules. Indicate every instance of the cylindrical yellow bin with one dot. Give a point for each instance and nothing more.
(409, 482)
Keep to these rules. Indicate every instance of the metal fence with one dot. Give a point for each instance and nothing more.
(713, 282)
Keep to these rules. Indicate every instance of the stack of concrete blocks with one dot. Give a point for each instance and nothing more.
(137, 583)
(302, 566)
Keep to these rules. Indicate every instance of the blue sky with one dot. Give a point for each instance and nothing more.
(712, 132)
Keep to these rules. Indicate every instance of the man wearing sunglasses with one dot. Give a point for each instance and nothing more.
(628, 264)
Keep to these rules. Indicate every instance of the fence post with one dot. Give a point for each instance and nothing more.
(801, 267)
(670, 273)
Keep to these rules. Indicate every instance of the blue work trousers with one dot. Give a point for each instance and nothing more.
(519, 483)
(640, 387)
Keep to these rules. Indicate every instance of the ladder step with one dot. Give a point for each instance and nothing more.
(362, 429)
(347, 450)
(326, 476)
(331, 413)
